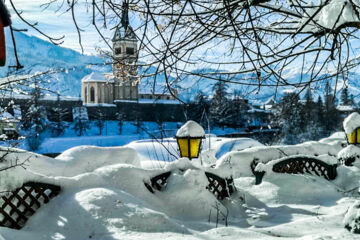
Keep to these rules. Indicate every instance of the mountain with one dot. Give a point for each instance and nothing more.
(39, 55)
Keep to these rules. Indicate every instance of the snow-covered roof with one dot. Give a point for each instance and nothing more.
(345, 108)
(255, 110)
(6, 116)
(152, 101)
(351, 122)
(98, 77)
(191, 129)
(270, 101)
(331, 16)
(124, 32)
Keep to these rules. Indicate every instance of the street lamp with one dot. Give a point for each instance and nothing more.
(354, 137)
(351, 126)
(189, 139)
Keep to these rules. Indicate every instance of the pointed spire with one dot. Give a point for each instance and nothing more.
(124, 30)
(125, 14)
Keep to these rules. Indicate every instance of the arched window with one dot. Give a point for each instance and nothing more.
(92, 94)
(85, 97)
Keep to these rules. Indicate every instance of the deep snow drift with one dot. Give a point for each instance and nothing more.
(104, 197)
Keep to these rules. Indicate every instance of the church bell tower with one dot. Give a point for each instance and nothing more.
(125, 55)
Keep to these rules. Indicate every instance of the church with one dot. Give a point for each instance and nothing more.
(124, 83)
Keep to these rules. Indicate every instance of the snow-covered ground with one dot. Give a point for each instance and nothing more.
(104, 197)
(110, 137)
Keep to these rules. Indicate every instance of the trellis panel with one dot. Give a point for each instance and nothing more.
(220, 187)
(17, 206)
(300, 165)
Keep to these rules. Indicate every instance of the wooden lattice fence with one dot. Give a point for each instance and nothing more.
(220, 187)
(158, 182)
(19, 205)
(300, 165)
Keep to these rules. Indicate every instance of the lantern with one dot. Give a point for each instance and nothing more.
(354, 137)
(4, 22)
(189, 139)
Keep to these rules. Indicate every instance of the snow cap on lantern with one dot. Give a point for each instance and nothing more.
(189, 139)
(191, 129)
(352, 128)
(351, 122)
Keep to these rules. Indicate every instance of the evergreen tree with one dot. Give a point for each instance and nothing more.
(236, 114)
(351, 100)
(138, 120)
(59, 113)
(120, 117)
(161, 128)
(288, 117)
(81, 121)
(344, 97)
(319, 111)
(200, 109)
(219, 105)
(331, 115)
(34, 120)
(99, 120)
(307, 110)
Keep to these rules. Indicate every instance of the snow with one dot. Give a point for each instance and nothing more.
(104, 197)
(99, 105)
(237, 164)
(150, 101)
(190, 129)
(352, 217)
(154, 153)
(331, 16)
(80, 113)
(345, 108)
(98, 77)
(349, 151)
(351, 122)
(237, 144)
(6, 116)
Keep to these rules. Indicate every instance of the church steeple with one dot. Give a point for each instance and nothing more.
(125, 54)
(124, 30)
(125, 15)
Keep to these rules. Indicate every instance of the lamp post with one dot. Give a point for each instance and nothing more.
(189, 138)
(353, 137)
(351, 126)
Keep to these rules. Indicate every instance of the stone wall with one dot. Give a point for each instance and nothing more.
(132, 110)
(142, 111)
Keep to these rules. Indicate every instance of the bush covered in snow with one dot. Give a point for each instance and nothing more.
(352, 218)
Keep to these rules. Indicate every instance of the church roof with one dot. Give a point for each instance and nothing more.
(98, 77)
(271, 101)
(124, 30)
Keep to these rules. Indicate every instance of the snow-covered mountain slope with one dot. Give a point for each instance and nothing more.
(39, 55)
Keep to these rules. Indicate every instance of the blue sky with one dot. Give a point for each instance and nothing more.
(58, 24)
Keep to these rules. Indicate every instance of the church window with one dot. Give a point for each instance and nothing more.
(130, 51)
(117, 51)
(92, 94)
(85, 95)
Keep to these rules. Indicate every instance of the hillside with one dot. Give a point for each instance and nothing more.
(75, 66)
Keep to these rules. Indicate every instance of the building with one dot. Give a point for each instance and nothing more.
(123, 83)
